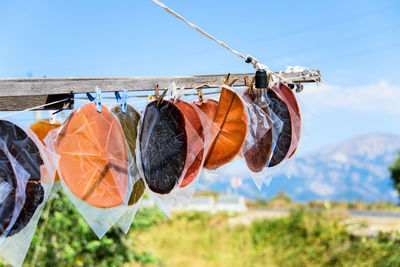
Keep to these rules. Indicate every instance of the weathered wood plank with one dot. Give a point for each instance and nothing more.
(25, 102)
(54, 86)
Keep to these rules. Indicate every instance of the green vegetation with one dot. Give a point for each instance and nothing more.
(63, 238)
(395, 173)
(301, 239)
(283, 201)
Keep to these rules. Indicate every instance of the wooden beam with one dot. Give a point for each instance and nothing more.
(48, 86)
(19, 94)
(24, 102)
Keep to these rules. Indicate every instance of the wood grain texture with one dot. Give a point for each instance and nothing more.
(32, 92)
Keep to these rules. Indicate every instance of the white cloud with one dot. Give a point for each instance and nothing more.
(380, 97)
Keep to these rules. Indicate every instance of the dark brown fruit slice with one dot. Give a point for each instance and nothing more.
(257, 146)
(284, 139)
(23, 149)
(163, 146)
(196, 132)
(129, 122)
(291, 102)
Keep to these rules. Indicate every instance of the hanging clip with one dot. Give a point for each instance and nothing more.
(117, 97)
(200, 92)
(161, 96)
(299, 87)
(227, 82)
(90, 97)
(98, 99)
(157, 96)
(178, 94)
(52, 118)
(124, 100)
(250, 85)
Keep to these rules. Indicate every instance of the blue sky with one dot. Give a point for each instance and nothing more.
(355, 44)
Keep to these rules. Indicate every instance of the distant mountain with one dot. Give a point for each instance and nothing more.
(356, 169)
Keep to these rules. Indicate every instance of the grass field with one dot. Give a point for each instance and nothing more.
(302, 239)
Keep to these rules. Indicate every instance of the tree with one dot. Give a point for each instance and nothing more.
(395, 173)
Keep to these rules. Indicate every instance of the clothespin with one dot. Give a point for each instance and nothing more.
(124, 100)
(227, 82)
(157, 96)
(178, 94)
(299, 87)
(90, 97)
(200, 91)
(98, 99)
(117, 97)
(52, 118)
(250, 85)
(161, 96)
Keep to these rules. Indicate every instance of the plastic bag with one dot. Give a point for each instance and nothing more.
(196, 150)
(225, 125)
(93, 165)
(168, 147)
(37, 165)
(130, 123)
(262, 132)
(284, 105)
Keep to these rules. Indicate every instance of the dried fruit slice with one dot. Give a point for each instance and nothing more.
(208, 107)
(93, 156)
(257, 147)
(25, 152)
(288, 112)
(129, 122)
(163, 146)
(195, 133)
(231, 120)
(137, 192)
(294, 110)
(41, 129)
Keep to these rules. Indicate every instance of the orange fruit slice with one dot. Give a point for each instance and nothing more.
(41, 129)
(93, 157)
(231, 120)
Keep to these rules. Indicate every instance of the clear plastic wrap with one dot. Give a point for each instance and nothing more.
(130, 122)
(225, 124)
(93, 165)
(195, 153)
(168, 147)
(284, 105)
(36, 167)
(13, 183)
(41, 128)
(262, 132)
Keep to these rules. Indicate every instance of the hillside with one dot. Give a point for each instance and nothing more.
(352, 170)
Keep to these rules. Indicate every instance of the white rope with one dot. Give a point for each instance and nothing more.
(32, 108)
(253, 60)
